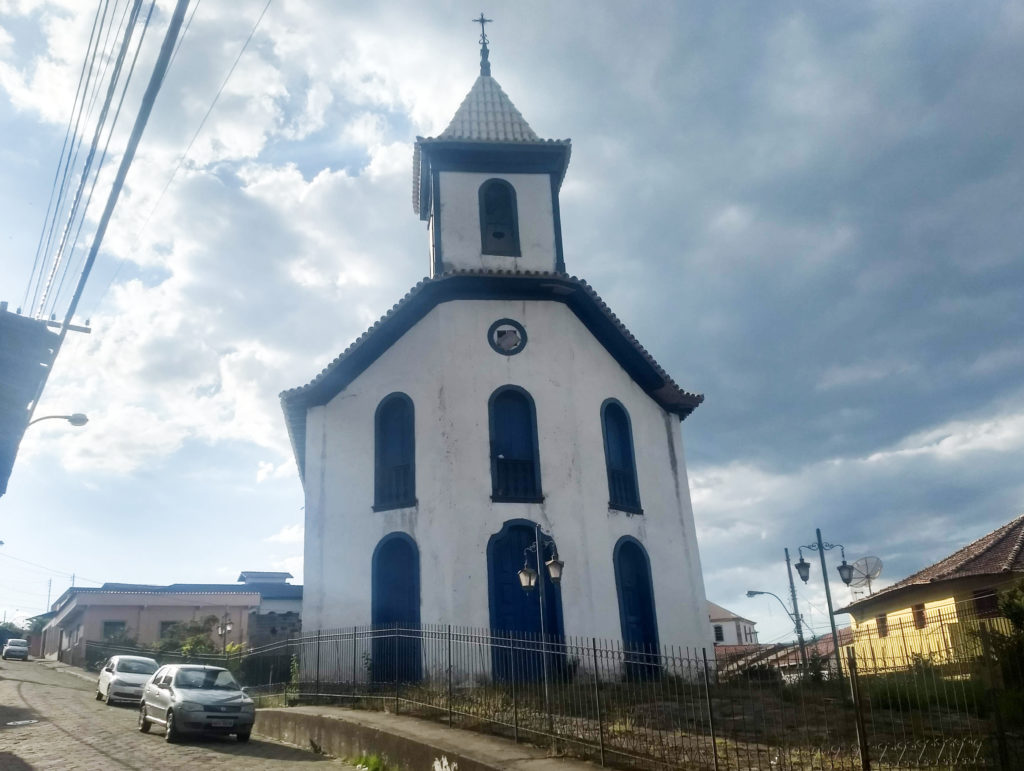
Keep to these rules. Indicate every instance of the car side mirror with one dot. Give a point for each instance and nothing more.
(108, 669)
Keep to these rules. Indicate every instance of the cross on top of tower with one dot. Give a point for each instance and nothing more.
(485, 65)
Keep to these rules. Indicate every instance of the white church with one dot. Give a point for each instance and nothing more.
(500, 394)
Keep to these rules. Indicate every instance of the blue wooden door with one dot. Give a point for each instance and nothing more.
(515, 613)
(636, 608)
(396, 611)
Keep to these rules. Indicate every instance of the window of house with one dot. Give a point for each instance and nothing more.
(919, 619)
(113, 629)
(986, 603)
(499, 226)
(719, 633)
(165, 628)
(618, 454)
(882, 624)
(395, 473)
(515, 465)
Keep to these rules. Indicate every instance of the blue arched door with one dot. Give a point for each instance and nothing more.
(515, 613)
(396, 610)
(636, 607)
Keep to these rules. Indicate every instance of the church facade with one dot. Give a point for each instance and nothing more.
(499, 406)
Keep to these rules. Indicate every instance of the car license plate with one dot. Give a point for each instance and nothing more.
(221, 723)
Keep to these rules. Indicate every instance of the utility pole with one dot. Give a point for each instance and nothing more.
(796, 614)
(49, 586)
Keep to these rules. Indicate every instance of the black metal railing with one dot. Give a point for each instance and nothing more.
(515, 479)
(670, 708)
(395, 486)
(900, 704)
(622, 489)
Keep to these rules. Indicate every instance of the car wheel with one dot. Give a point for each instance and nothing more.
(99, 696)
(170, 730)
(109, 698)
(144, 724)
(244, 736)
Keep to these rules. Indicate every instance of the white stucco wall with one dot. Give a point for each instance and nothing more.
(460, 222)
(445, 365)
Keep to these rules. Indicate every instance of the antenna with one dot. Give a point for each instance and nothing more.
(865, 570)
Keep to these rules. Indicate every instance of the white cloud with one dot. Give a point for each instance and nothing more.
(288, 534)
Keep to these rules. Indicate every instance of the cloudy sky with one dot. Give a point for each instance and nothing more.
(810, 213)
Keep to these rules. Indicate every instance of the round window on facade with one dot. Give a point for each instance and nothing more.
(507, 337)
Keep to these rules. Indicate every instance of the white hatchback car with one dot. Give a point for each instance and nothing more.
(123, 677)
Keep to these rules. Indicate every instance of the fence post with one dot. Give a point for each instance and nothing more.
(449, 675)
(597, 700)
(711, 712)
(398, 659)
(512, 679)
(317, 684)
(354, 681)
(1002, 751)
(858, 709)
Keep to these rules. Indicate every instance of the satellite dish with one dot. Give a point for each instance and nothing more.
(865, 570)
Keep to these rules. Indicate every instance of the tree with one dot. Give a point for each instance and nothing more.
(190, 637)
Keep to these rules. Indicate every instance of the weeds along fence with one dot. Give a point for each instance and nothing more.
(672, 708)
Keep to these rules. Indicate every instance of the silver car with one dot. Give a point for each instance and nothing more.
(123, 677)
(190, 698)
(16, 649)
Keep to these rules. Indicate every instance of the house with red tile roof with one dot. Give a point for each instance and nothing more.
(937, 612)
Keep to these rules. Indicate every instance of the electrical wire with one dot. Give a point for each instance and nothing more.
(91, 97)
(53, 571)
(115, 75)
(184, 155)
(60, 161)
(103, 156)
(145, 109)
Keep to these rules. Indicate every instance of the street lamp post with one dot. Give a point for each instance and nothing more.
(223, 629)
(76, 419)
(529, 578)
(794, 617)
(845, 573)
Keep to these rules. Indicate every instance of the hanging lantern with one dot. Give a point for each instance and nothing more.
(845, 572)
(803, 568)
(555, 566)
(527, 577)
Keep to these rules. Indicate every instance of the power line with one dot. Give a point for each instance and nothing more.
(202, 123)
(97, 134)
(103, 156)
(76, 146)
(181, 158)
(54, 571)
(60, 161)
(148, 99)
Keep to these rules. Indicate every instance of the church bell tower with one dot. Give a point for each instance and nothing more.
(488, 186)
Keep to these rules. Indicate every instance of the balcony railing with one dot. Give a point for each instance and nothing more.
(622, 490)
(515, 480)
(395, 487)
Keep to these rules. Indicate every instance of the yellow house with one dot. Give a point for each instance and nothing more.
(938, 613)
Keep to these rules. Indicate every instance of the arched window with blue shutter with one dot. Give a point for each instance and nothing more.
(515, 460)
(395, 453)
(623, 492)
(499, 221)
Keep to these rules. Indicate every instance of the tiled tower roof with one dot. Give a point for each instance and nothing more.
(487, 114)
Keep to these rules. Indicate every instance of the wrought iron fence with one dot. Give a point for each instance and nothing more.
(668, 708)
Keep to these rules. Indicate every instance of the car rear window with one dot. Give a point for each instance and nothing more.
(136, 667)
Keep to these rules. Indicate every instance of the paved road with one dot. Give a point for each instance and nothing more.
(74, 732)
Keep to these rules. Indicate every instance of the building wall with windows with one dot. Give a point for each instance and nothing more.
(448, 370)
(937, 623)
(98, 615)
(727, 628)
